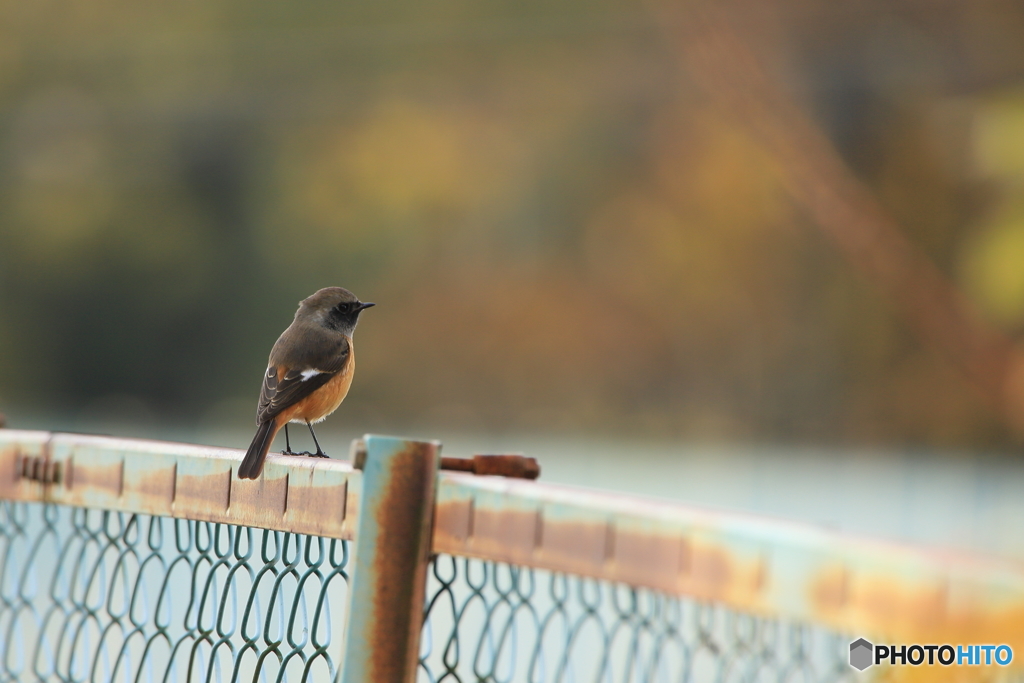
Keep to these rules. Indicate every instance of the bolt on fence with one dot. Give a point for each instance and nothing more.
(129, 560)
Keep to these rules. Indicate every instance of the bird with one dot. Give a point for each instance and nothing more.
(309, 372)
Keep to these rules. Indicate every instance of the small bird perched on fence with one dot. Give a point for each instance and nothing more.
(309, 373)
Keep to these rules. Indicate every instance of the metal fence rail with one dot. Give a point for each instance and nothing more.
(766, 567)
(133, 560)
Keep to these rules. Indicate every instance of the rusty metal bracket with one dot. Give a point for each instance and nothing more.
(505, 465)
(388, 576)
(512, 465)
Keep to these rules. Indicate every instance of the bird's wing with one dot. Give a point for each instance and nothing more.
(289, 380)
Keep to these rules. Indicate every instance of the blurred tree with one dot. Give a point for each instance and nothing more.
(562, 232)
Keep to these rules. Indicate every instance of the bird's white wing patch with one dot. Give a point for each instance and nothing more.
(306, 374)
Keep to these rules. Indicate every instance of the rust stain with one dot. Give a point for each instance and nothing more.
(116, 474)
(685, 556)
(504, 533)
(914, 606)
(316, 507)
(712, 573)
(9, 462)
(573, 543)
(513, 465)
(761, 574)
(646, 559)
(452, 522)
(401, 554)
(894, 611)
(155, 489)
(106, 478)
(890, 611)
(667, 562)
(202, 493)
(830, 592)
(258, 499)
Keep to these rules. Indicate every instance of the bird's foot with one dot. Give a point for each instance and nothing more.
(289, 451)
(318, 454)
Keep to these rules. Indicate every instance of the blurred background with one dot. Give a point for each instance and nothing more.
(741, 245)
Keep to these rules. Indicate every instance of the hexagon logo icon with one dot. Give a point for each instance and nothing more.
(861, 654)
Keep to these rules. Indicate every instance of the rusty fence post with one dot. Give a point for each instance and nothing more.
(392, 547)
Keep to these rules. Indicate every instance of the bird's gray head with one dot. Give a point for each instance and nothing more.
(334, 307)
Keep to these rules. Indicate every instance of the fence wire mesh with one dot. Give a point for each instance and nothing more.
(89, 595)
(493, 622)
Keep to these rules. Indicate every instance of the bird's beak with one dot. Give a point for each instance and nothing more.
(366, 304)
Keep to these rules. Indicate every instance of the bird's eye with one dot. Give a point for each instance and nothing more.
(344, 308)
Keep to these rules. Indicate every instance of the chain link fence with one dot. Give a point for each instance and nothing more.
(495, 622)
(89, 595)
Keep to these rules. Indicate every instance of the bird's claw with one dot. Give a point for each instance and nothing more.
(318, 454)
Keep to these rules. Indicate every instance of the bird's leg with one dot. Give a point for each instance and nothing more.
(287, 444)
(319, 451)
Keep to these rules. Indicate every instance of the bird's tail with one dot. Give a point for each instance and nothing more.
(252, 463)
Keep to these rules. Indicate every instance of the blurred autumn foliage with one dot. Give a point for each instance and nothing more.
(561, 229)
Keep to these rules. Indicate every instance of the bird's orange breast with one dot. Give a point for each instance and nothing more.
(326, 399)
